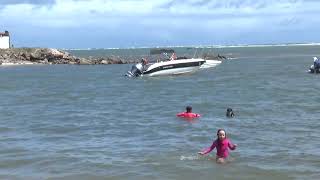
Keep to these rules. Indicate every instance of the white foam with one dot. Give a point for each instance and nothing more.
(208, 46)
(190, 158)
(15, 64)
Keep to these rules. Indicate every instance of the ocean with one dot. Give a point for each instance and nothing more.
(91, 122)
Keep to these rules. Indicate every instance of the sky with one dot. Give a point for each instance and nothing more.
(152, 23)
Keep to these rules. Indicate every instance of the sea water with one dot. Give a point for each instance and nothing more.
(91, 122)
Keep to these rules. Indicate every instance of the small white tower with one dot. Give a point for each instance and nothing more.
(4, 40)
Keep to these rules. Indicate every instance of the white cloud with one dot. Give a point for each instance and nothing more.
(73, 13)
(170, 19)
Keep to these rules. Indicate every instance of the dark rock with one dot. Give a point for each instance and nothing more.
(43, 56)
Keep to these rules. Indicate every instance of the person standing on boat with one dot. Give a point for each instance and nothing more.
(173, 56)
(144, 62)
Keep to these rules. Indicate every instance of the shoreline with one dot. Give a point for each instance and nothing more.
(17, 64)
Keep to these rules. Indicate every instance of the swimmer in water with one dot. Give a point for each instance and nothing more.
(230, 113)
(188, 113)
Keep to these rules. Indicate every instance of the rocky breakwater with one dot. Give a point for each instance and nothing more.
(17, 56)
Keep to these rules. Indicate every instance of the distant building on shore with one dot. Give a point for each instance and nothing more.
(4, 40)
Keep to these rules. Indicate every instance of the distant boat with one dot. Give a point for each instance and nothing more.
(173, 66)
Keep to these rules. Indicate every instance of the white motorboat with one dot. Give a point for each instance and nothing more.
(171, 67)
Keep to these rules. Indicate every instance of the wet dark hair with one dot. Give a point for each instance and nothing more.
(221, 130)
(229, 112)
(189, 108)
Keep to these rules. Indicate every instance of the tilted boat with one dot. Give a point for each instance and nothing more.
(173, 66)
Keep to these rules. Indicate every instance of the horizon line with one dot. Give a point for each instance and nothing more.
(202, 46)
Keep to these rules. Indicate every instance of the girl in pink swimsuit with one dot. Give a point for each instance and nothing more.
(222, 143)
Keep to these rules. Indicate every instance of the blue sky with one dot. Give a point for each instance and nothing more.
(150, 23)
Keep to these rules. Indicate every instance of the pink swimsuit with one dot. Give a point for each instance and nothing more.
(222, 150)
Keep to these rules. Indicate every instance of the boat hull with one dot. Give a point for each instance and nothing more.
(175, 71)
(177, 67)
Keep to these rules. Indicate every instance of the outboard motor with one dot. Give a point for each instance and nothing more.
(136, 70)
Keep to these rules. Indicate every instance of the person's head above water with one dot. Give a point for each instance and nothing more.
(229, 112)
(315, 58)
(189, 109)
(221, 134)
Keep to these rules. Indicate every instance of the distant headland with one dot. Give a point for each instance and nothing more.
(26, 56)
(21, 56)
